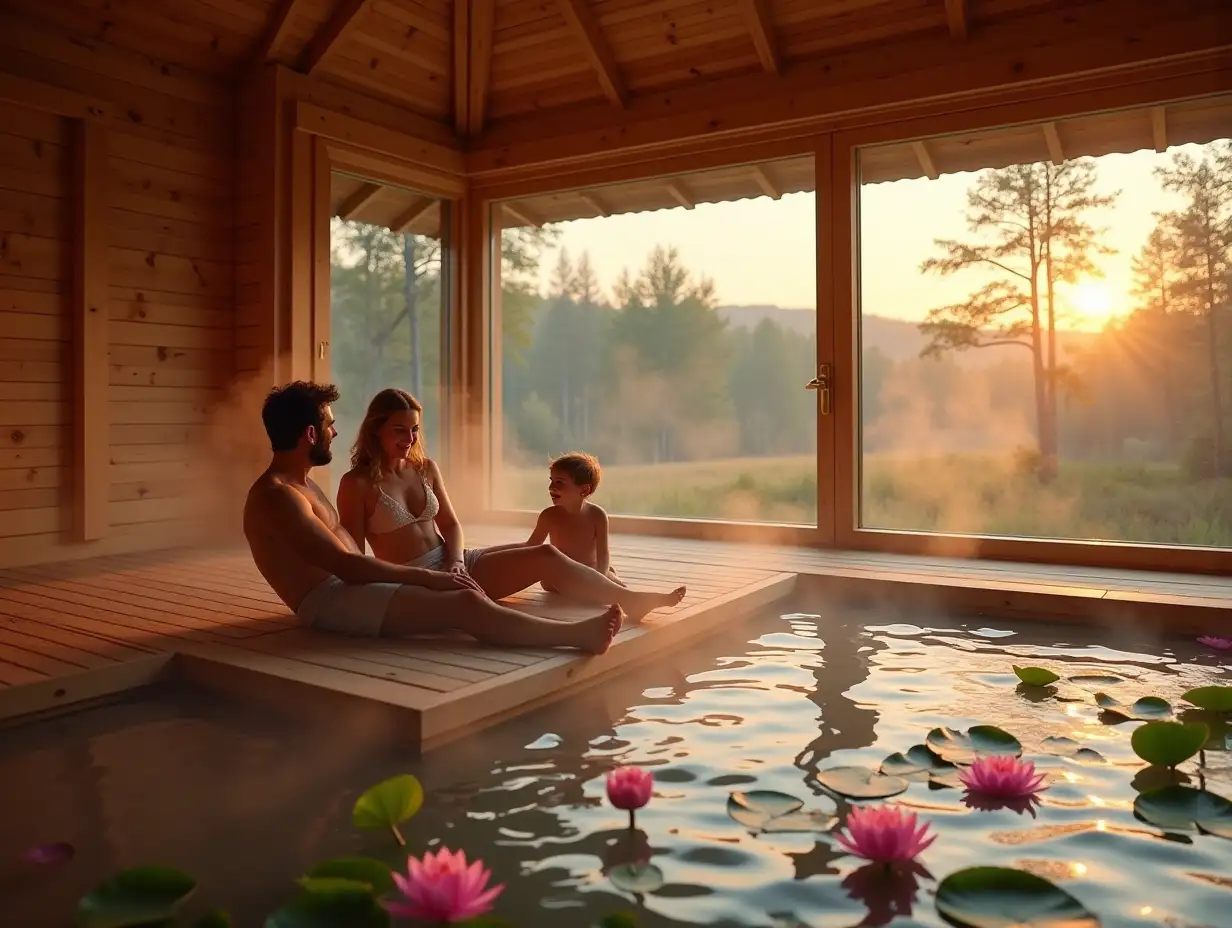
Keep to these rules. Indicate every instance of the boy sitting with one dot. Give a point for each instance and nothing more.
(573, 524)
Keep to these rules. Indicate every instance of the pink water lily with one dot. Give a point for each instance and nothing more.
(443, 888)
(885, 834)
(629, 788)
(1002, 777)
(1219, 644)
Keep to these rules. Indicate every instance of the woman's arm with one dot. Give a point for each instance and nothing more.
(447, 518)
(353, 507)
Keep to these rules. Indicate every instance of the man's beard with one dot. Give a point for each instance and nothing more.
(320, 454)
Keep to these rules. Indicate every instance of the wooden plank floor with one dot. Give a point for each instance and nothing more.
(78, 630)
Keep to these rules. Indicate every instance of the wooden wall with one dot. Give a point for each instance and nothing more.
(170, 298)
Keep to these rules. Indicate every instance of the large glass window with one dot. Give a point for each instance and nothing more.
(387, 301)
(667, 326)
(1045, 334)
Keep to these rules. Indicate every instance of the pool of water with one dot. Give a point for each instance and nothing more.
(247, 800)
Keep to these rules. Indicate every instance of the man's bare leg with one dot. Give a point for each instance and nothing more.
(414, 610)
(503, 573)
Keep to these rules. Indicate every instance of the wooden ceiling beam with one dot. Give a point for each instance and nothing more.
(766, 184)
(479, 59)
(582, 21)
(522, 215)
(601, 209)
(1056, 151)
(404, 219)
(1159, 128)
(357, 201)
(925, 157)
(275, 31)
(461, 66)
(346, 17)
(680, 193)
(761, 28)
(956, 18)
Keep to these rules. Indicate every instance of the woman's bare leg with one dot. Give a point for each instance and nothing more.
(414, 610)
(503, 573)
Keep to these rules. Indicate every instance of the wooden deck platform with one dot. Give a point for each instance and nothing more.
(76, 631)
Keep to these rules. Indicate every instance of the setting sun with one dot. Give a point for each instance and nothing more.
(1093, 302)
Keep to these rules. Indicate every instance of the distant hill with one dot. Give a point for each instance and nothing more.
(899, 339)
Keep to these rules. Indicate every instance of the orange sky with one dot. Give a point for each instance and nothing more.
(762, 251)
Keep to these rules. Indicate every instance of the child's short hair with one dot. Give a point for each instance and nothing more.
(580, 467)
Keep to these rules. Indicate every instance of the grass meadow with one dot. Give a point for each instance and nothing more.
(957, 493)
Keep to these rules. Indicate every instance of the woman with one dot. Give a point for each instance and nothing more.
(394, 498)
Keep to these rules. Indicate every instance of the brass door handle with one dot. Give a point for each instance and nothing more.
(822, 382)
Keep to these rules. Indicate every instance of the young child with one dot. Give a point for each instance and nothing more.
(575, 525)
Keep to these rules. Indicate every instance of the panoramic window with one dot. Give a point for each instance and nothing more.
(1044, 329)
(387, 301)
(667, 326)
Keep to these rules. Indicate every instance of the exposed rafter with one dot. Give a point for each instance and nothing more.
(956, 18)
(596, 204)
(357, 201)
(404, 219)
(924, 156)
(521, 215)
(346, 17)
(461, 65)
(482, 26)
(275, 31)
(767, 186)
(1056, 151)
(1159, 128)
(680, 193)
(582, 21)
(761, 28)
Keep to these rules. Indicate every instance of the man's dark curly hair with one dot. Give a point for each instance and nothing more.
(291, 408)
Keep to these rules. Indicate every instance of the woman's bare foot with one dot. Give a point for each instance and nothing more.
(596, 633)
(638, 605)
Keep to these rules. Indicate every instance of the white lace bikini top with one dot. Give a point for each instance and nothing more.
(391, 513)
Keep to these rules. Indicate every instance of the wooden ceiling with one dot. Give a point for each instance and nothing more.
(468, 63)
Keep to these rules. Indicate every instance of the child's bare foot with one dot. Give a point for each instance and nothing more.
(596, 633)
(640, 604)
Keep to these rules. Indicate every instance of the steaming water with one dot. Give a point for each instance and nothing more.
(247, 801)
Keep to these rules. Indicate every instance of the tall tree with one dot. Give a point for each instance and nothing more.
(1203, 235)
(1034, 231)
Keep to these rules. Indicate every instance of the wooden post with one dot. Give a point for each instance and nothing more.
(89, 313)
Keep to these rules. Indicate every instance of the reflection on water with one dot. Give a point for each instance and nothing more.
(247, 801)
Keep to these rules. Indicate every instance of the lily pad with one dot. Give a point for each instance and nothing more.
(918, 764)
(374, 876)
(618, 920)
(388, 804)
(769, 811)
(1211, 698)
(1168, 743)
(351, 907)
(1095, 679)
(1068, 747)
(1146, 709)
(978, 741)
(1035, 676)
(997, 897)
(636, 878)
(137, 896)
(861, 783)
(1183, 808)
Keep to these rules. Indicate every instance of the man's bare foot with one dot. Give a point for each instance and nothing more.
(639, 605)
(596, 633)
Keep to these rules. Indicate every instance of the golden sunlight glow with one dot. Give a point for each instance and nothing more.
(1078, 869)
(1093, 301)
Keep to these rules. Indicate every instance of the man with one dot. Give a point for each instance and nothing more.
(315, 567)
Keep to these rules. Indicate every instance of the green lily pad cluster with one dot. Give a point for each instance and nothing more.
(346, 891)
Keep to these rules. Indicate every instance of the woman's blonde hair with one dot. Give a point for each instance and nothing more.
(367, 456)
